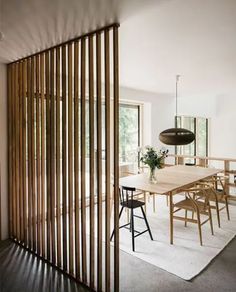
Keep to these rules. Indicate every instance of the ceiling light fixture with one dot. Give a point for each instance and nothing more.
(176, 136)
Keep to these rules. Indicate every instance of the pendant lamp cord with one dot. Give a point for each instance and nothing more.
(176, 95)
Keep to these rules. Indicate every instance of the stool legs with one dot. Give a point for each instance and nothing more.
(121, 210)
(148, 227)
(132, 228)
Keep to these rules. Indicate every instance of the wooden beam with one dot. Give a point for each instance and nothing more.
(24, 158)
(108, 155)
(76, 162)
(64, 156)
(33, 167)
(70, 160)
(83, 159)
(99, 162)
(17, 164)
(21, 206)
(43, 140)
(91, 160)
(10, 150)
(116, 155)
(58, 154)
(38, 161)
(52, 154)
(29, 146)
(48, 135)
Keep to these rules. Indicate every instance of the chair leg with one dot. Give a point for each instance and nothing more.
(210, 218)
(132, 228)
(192, 214)
(128, 215)
(186, 216)
(218, 212)
(227, 207)
(119, 219)
(199, 227)
(145, 219)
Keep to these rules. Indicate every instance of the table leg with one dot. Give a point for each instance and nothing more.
(154, 202)
(171, 217)
(145, 200)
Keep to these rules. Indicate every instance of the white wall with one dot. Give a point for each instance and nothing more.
(3, 150)
(159, 111)
(223, 132)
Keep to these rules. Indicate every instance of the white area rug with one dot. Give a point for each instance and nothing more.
(186, 258)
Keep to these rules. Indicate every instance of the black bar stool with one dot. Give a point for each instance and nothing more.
(127, 201)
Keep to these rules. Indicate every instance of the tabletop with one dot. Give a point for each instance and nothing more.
(169, 179)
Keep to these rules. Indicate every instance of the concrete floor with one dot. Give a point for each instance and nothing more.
(21, 271)
(139, 276)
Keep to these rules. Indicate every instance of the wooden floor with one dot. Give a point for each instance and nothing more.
(20, 271)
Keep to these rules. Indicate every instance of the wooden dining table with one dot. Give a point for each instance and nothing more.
(169, 181)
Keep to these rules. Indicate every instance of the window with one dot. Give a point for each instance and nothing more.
(199, 126)
(129, 131)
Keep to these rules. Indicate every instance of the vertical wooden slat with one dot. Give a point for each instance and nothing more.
(38, 174)
(42, 94)
(10, 177)
(21, 206)
(83, 159)
(91, 168)
(58, 156)
(99, 161)
(116, 155)
(70, 159)
(76, 161)
(13, 153)
(33, 182)
(24, 159)
(52, 155)
(48, 169)
(17, 171)
(29, 156)
(64, 156)
(108, 155)
(14, 149)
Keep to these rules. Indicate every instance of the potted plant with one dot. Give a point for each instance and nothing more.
(154, 159)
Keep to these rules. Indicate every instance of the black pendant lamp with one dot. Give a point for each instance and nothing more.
(176, 136)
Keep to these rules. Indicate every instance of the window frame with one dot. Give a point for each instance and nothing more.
(139, 107)
(196, 145)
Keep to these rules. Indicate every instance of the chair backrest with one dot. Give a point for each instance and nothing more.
(220, 181)
(127, 194)
(200, 190)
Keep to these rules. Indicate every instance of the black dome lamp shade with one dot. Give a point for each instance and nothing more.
(176, 136)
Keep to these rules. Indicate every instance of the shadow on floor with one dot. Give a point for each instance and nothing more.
(21, 271)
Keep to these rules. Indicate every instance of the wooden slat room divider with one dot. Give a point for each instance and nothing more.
(63, 122)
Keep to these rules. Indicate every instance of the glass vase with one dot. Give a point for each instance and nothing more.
(152, 175)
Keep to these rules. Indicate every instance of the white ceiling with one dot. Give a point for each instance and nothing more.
(30, 26)
(158, 38)
(193, 38)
